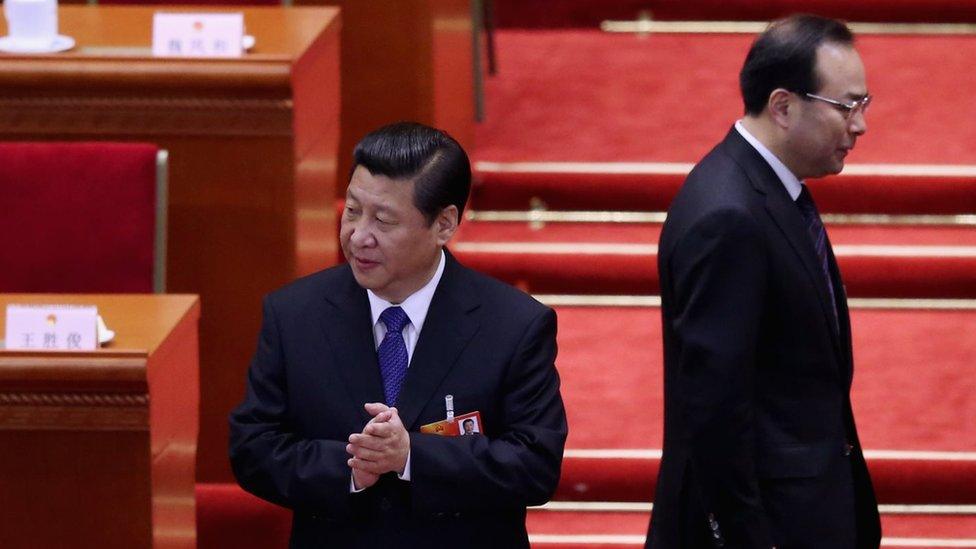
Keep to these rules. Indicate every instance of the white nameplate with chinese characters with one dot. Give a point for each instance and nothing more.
(198, 34)
(52, 327)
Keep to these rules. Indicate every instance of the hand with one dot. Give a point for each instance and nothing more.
(384, 444)
(362, 480)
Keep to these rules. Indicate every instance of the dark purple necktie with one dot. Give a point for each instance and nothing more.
(392, 353)
(819, 235)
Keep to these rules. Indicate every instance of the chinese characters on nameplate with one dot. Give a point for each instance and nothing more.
(198, 34)
(52, 327)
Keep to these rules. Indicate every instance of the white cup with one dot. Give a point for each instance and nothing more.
(32, 23)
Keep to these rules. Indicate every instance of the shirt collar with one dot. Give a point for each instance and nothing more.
(415, 305)
(792, 184)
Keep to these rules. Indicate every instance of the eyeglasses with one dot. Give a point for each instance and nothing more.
(849, 109)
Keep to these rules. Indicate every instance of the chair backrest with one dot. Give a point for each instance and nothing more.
(82, 217)
(191, 2)
(227, 516)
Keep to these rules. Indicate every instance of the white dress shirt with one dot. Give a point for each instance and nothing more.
(416, 306)
(790, 181)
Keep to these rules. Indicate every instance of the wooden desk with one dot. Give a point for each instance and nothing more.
(97, 449)
(252, 145)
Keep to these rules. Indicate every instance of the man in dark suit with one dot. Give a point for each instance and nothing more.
(353, 360)
(760, 447)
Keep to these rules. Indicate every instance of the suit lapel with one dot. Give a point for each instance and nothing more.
(348, 327)
(449, 326)
(843, 317)
(788, 219)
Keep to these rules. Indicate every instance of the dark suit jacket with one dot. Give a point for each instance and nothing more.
(488, 344)
(756, 377)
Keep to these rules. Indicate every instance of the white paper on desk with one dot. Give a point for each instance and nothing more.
(52, 327)
(198, 34)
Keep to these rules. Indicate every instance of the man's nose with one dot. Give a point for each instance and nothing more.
(362, 235)
(858, 123)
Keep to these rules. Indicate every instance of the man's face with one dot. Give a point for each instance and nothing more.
(469, 427)
(386, 239)
(822, 136)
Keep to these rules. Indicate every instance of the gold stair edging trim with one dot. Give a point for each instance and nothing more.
(589, 540)
(609, 216)
(646, 507)
(648, 26)
(555, 248)
(682, 168)
(581, 300)
(878, 455)
(650, 250)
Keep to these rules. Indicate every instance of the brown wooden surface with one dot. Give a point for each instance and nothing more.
(252, 165)
(404, 60)
(98, 448)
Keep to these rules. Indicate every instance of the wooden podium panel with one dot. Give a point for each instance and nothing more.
(98, 448)
(404, 60)
(252, 147)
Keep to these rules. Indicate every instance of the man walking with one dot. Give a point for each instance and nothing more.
(760, 447)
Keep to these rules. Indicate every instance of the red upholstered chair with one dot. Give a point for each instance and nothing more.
(194, 2)
(82, 217)
(230, 518)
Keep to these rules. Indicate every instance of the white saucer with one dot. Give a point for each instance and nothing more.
(58, 43)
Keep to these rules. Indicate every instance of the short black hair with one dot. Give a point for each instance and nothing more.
(430, 157)
(467, 421)
(785, 56)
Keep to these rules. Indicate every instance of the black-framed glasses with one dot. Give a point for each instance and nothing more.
(850, 109)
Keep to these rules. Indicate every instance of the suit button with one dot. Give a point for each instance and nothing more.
(457, 515)
(385, 504)
(848, 448)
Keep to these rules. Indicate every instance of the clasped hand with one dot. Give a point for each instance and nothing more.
(382, 447)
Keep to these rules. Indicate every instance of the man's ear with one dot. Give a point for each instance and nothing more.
(446, 224)
(781, 107)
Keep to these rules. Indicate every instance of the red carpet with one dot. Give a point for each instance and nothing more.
(589, 13)
(557, 529)
(229, 518)
(588, 96)
(913, 388)
(876, 261)
(651, 188)
(648, 233)
(913, 391)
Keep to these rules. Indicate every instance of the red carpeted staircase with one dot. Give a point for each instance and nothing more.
(877, 260)
(588, 138)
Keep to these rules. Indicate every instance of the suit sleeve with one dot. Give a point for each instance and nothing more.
(268, 457)
(719, 274)
(513, 470)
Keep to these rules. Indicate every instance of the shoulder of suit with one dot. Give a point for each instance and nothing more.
(718, 181)
(494, 293)
(719, 162)
(314, 286)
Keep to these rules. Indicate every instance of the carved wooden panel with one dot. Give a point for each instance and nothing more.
(150, 116)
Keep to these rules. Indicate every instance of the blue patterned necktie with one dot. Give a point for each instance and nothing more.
(819, 235)
(393, 353)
